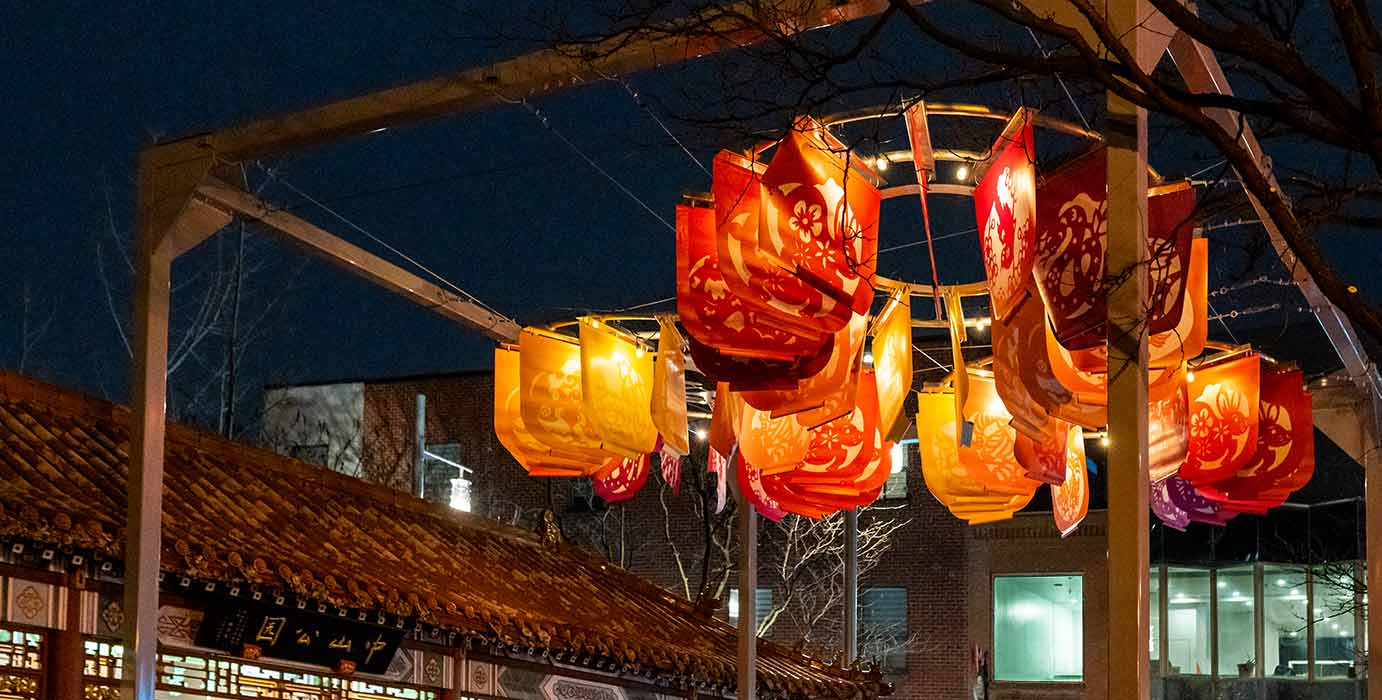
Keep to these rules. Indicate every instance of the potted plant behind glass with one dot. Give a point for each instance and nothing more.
(1246, 667)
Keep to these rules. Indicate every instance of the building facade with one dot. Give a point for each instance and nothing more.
(1010, 602)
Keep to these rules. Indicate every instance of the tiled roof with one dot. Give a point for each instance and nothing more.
(235, 513)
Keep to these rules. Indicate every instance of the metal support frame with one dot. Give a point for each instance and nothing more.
(420, 445)
(748, 598)
(851, 594)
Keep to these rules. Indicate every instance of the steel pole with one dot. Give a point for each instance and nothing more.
(851, 601)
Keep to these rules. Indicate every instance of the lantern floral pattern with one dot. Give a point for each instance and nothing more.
(1005, 208)
(617, 389)
(1070, 498)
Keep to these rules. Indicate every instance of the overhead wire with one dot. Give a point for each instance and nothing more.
(276, 177)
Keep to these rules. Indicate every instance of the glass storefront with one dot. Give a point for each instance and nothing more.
(1236, 621)
(1038, 628)
(1187, 621)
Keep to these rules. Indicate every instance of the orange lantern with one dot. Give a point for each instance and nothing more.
(989, 457)
(892, 361)
(1070, 499)
(820, 216)
(724, 420)
(841, 450)
(748, 271)
(1029, 417)
(550, 396)
(1224, 408)
(668, 406)
(718, 318)
(751, 486)
(831, 389)
(1284, 437)
(946, 477)
(1044, 458)
(1005, 207)
(617, 389)
(774, 445)
(1168, 434)
(536, 457)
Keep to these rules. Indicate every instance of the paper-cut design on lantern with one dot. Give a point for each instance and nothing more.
(1005, 208)
(831, 388)
(1029, 416)
(774, 445)
(751, 486)
(617, 389)
(892, 362)
(748, 271)
(989, 457)
(669, 388)
(1223, 406)
(841, 450)
(1044, 458)
(1199, 509)
(553, 408)
(535, 456)
(1284, 460)
(717, 464)
(1186, 339)
(949, 480)
(714, 316)
(621, 479)
(671, 462)
(820, 216)
(1073, 239)
(1166, 509)
(1168, 434)
(1070, 499)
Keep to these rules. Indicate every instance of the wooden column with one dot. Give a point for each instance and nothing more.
(66, 654)
(1128, 557)
(1372, 516)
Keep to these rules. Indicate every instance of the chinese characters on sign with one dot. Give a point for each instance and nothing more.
(278, 632)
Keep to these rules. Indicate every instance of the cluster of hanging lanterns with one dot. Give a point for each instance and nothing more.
(776, 290)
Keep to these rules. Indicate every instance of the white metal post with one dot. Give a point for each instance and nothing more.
(420, 445)
(748, 593)
(1128, 622)
(851, 598)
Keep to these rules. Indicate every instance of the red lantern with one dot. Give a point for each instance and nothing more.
(1005, 208)
(1223, 407)
(621, 479)
(820, 216)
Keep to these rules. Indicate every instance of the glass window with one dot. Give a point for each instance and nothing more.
(1038, 628)
(1335, 587)
(1237, 622)
(1187, 621)
(902, 458)
(1283, 621)
(1154, 606)
(438, 471)
(883, 627)
(762, 604)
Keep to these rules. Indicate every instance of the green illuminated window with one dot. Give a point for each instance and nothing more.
(1038, 628)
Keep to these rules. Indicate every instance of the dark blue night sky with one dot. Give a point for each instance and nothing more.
(492, 201)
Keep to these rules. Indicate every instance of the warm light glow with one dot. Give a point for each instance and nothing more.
(460, 494)
(868, 358)
(1189, 375)
(1104, 441)
(881, 163)
(962, 172)
(701, 435)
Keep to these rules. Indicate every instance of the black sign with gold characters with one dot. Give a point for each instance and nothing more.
(341, 643)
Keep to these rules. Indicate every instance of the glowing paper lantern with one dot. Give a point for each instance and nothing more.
(841, 450)
(1168, 434)
(1073, 239)
(751, 486)
(1284, 460)
(1070, 499)
(669, 389)
(724, 421)
(1223, 406)
(553, 408)
(714, 316)
(536, 457)
(617, 389)
(946, 477)
(748, 272)
(1022, 336)
(1196, 507)
(1030, 417)
(989, 457)
(831, 389)
(1005, 207)
(621, 479)
(753, 373)
(773, 445)
(892, 361)
(820, 216)
(1166, 509)
(1044, 458)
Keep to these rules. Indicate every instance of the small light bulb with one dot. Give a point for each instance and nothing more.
(868, 358)
(1189, 375)
(1104, 441)
(638, 352)
(881, 163)
(962, 172)
(701, 435)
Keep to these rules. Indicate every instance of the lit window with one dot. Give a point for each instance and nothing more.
(1038, 628)
(439, 469)
(883, 627)
(1237, 622)
(762, 604)
(902, 458)
(1336, 585)
(1284, 622)
(1187, 621)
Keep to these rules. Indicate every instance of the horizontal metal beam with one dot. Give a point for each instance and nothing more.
(526, 76)
(326, 246)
